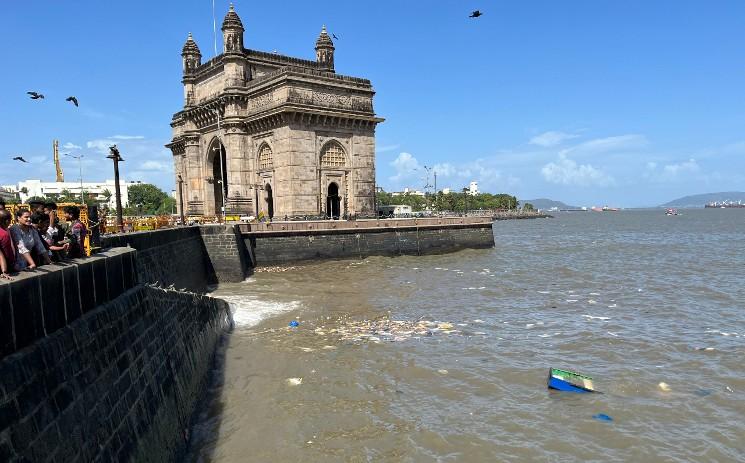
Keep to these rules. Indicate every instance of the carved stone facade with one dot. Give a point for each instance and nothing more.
(262, 132)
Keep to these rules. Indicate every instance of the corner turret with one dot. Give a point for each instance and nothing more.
(325, 51)
(191, 55)
(232, 32)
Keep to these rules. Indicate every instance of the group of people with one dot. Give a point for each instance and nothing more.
(38, 237)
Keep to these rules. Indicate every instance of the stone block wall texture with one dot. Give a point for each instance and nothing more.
(174, 256)
(284, 247)
(226, 251)
(37, 304)
(118, 384)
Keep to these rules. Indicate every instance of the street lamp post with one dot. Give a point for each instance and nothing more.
(116, 157)
(80, 167)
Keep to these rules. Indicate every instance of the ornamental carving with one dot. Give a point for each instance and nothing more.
(329, 100)
(260, 101)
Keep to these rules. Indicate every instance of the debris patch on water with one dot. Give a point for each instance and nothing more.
(385, 329)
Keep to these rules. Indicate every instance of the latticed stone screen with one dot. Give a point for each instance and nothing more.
(265, 158)
(333, 156)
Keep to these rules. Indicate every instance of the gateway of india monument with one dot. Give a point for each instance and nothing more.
(263, 132)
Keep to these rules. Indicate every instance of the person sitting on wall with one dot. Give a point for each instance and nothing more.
(27, 242)
(56, 250)
(76, 232)
(7, 250)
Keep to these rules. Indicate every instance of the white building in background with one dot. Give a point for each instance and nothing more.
(52, 190)
(473, 188)
(408, 191)
(446, 191)
(8, 193)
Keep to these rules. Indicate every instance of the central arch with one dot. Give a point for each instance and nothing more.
(333, 202)
(218, 157)
(269, 201)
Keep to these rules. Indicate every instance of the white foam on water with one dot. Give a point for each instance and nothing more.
(571, 300)
(544, 292)
(592, 317)
(248, 312)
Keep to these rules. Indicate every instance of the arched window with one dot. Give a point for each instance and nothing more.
(333, 156)
(265, 157)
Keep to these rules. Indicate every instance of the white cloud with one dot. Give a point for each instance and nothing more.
(386, 148)
(410, 173)
(608, 144)
(71, 146)
(405, 166)
(551, 138)
(689, 166)
(127, 137)
(567, 172)
(156, 166)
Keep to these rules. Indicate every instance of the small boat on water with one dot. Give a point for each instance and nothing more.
(569, 381)
(605, 209)
(671, 212)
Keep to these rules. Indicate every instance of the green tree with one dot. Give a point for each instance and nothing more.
(528, 207)
(24, 190)
(147, 199)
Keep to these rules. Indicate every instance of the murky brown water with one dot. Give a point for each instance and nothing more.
(631, 298)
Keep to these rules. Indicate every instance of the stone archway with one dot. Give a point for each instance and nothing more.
(219, 174)
(269, 201)
(333, 202)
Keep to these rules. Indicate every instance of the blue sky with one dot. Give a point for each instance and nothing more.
(591, 102)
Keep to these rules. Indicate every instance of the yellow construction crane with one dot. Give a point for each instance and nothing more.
(57, 166)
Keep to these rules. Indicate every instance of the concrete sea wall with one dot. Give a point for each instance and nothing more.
(174, 256)
(278, 247)
(118, 384)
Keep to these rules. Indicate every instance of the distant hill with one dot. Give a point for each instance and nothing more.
(702, 199)
(546, 204)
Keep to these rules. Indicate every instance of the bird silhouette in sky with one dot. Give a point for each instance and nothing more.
(72, 99)
(18, 158)
(35, 95)
(475, 14)
(334, 36)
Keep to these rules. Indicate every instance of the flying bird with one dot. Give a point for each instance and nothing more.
(334, 36)
(475, 14)
(18, 158)
(35, 95)
(72, 99)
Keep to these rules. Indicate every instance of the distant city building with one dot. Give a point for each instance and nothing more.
(8, 193)
(394, 210)
(408, 191)
(95, 190)
(473, 188)
(263, 132)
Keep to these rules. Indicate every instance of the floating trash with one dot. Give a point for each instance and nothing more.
(273, 269)
(569, 381)
(386, 329)
(664, 387)
(294, 381)
(294, 324)
(602, 417)
(443, 372)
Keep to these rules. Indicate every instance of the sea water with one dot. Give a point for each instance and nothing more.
(651, 306)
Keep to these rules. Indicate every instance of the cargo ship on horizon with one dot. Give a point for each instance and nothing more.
(725, 205)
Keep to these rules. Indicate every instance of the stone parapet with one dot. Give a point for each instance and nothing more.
(118, 384)
(36, 304)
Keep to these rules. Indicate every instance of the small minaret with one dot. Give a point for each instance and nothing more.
(232, 32)
(191, 55)
(325, 51)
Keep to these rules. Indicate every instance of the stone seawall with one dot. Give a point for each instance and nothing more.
(118, 384)
(36, 304)
(174, 256)
(278, 247)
